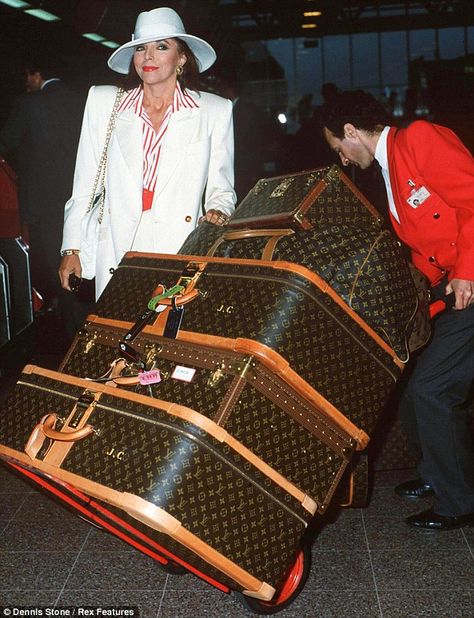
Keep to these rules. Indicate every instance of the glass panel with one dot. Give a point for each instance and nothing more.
(366, 60)
(470, 40)
(422, 44)
(451, 42)
(336, 60)
(394, 58)
(308, 69)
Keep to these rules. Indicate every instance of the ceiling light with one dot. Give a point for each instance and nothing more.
(312, 13)
(44, 15)
(309, 25)
(16, 4)
(111, 44)
(92, 36)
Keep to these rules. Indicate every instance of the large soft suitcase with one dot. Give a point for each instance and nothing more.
(364, 265)
(305, 200)
(281, 305)
(163, 465)
(242, 386)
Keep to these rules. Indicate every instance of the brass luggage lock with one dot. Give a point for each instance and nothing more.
(216, 375)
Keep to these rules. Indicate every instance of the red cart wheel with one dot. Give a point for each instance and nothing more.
(293, 585)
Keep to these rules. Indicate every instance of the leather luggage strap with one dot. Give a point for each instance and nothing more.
(273, 236)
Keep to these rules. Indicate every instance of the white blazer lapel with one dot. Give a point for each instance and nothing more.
(180, 132)
(128, 135)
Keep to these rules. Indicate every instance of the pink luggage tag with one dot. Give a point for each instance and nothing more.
(149, 377)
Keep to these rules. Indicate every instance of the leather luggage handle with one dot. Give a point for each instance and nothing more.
(273, 235)
(71, 435)
(45, 428)
(161, 298)
(249, 233)
(176, 300)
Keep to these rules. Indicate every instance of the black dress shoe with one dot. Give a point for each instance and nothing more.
(429, 520)
(414, 489)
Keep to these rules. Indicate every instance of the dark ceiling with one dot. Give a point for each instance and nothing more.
(222, 20)
(224, 23)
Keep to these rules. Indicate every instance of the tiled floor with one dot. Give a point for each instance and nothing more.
(366, 562)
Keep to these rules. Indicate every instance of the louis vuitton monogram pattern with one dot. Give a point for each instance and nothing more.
(340, 203)
(174, 547)
(288, 313)
(365, 266)
(135, 530)
(132, 286)
(320, 196)
(307, 461)
(201, 239)
(212, 490)
(268, 417)
(420, 330)
(367, 270)
(33, 397)
(208, 487)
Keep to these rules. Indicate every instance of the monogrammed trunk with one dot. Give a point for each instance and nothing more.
(284, 306)
(242, 386)
(163, 465)
(305, 200)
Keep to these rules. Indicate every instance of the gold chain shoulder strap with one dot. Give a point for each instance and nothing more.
(98, 200)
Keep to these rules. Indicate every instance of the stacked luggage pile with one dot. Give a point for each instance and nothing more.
(208, 410)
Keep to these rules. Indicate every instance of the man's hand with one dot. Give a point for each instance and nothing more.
(69, 264)
(463, 291)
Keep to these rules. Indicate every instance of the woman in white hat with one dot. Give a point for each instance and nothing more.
(169, 152)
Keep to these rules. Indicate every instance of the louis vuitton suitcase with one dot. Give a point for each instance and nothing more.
(364, 265)
(283, 306)
(150, 542)
(305, 200)
(164, 466)
(244, 387)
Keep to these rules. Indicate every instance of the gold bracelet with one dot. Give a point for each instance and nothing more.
(69, 252)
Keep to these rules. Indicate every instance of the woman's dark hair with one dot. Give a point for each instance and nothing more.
(355, 107)
(189, 78)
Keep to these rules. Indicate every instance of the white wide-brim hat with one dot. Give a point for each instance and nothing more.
(157, 25)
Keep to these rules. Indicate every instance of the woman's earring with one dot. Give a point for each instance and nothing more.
(179, 70)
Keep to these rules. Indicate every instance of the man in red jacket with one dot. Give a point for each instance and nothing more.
(429, 179)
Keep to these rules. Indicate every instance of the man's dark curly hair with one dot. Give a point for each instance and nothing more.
(355, 107)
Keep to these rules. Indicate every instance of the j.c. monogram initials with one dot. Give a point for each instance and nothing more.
(115, 453)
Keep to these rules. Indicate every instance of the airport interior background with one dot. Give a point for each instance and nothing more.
(283, 57)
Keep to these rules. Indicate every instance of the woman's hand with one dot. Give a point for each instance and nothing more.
(70, 264)
(215, 216)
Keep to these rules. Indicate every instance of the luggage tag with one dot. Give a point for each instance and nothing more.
(173, 323)
(417, 196)
(153, 376)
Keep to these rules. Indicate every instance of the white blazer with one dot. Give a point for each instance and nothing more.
(196, 167)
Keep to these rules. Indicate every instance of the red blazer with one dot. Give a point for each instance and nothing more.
(440, 231)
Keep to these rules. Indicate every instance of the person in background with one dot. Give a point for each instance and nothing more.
(170, 152)
(42, 134)
(429, 178)
(249, 135)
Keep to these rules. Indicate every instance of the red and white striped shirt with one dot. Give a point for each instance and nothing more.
(153, 140)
